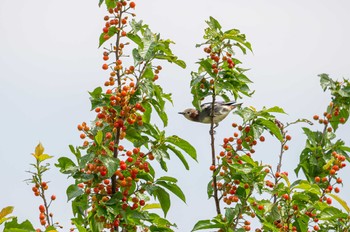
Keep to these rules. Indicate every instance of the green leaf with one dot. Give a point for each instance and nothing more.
(99, 137)
(13, 226)
(331, 213)
(274, 109)
(135, 38)
(168, 178)
(183, 144)
(96, 93)
(161, 113)
(206, 64)
(136, 55)
(206, 224)
(73, 191)
(301, 223)
(50, 229)
(111, 164)
(110, 4)
(99, 4)
(164, 199)
(272, 127)
(214, 23)
(146, 117)
(66, 165)
(179, 155)
(173, 188)
(326, 81)
(75, 152)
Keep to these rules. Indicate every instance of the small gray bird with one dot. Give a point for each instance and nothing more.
(221, 110)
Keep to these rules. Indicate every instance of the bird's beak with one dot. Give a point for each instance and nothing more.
(181, 112)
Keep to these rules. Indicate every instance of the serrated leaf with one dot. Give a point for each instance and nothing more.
(183, 144)
(73, 191)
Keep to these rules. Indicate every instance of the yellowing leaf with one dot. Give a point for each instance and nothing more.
(252, 108)
(328, 164)
(340, 201)
(151, 206)
(39, 150)
(6, 211)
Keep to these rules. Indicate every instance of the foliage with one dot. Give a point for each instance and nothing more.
(115, 186)
(252, 191)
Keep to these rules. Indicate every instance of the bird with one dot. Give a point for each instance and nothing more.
(221, 110)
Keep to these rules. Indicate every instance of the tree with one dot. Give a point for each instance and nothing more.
(115, 181)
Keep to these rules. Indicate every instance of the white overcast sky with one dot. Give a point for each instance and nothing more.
(49, 60)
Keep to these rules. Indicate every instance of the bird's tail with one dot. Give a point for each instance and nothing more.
(232, 103)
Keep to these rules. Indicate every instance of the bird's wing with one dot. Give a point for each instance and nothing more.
(218, 110)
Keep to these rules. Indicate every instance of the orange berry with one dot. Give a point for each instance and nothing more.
(105, 66)
(42, 216)
(82, 136)
(42, 208)
(132, 4)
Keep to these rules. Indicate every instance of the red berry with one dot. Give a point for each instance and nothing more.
(123, 166)
(53, 197)
(342, 120)
(262, 138)
(329, 201)
(142, 202)
(288, 137)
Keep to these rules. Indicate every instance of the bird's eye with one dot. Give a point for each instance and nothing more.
(187, 112)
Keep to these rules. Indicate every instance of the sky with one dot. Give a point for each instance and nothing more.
(49, 60)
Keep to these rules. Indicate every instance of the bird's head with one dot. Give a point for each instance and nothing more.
(190, 114)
